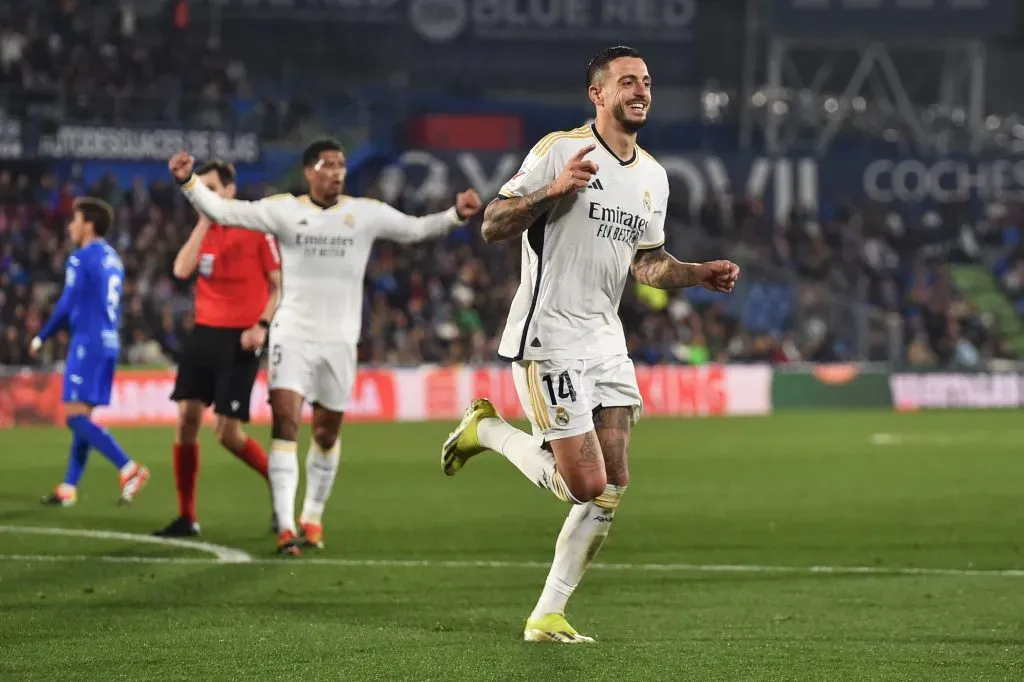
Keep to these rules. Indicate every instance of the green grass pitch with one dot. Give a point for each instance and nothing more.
(883, 491)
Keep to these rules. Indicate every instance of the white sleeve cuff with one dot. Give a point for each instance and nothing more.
(453, 215)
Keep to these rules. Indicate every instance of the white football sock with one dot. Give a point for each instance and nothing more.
(321, 469)
(283, 471)
(581, 538)
(536, 463)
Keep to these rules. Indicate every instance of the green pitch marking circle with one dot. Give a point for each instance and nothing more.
(220, 553)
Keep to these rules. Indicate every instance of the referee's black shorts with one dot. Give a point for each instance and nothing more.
(215, 369)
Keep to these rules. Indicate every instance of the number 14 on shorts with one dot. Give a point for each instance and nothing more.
(553, 397)
(558, 390)
(565, 392)
(559, 396)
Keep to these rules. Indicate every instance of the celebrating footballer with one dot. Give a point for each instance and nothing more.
(325, 239)
(589, 206)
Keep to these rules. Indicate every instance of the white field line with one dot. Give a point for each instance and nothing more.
(227, 555)
(946, 438)
(221, 554)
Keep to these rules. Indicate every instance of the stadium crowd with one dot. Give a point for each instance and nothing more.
(445, 301)
(89, 61)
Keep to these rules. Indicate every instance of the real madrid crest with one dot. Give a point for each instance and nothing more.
(349, 220)
(561, 416)
(647, 201)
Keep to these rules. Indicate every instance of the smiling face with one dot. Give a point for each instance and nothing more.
(622, 90)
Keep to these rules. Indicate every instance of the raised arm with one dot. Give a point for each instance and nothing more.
(187, 260)
(393, 224)
(537, 187)
(252, 215)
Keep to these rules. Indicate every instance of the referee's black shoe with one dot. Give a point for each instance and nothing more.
(181, 527)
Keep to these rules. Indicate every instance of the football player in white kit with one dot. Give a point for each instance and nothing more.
(325, 239)
(590, 206)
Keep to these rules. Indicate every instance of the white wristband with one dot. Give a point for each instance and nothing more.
(453, 215)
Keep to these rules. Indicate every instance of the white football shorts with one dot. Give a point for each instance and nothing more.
(322, 373)
(559, 396)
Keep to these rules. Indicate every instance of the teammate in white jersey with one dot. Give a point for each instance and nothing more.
(590, 206)
(325, 240)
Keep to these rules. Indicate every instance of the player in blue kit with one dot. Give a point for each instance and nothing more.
(91, 306)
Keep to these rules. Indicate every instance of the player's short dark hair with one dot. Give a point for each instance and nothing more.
(97, 212)
(225, 171)
(317, 147)
(599, 64)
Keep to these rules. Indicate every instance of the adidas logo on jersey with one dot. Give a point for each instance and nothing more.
(596, 184)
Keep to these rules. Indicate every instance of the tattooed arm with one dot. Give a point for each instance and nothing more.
(657, 268)
(509, 218)
(512, 213)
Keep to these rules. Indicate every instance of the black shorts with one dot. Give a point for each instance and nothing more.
(215, 370)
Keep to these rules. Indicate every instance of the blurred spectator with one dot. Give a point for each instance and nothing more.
(93, 61)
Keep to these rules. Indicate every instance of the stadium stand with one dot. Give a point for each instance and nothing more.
(444, 302)
(856, 282)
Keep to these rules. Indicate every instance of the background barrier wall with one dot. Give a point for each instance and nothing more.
(141, 397)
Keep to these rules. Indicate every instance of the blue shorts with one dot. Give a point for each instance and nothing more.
(88, 378)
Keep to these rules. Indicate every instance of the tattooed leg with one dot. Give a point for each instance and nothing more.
(587, 525)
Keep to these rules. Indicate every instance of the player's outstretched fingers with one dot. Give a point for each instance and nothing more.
(578, 156)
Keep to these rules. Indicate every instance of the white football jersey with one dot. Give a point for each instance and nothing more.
(324, 252)
(577, 256)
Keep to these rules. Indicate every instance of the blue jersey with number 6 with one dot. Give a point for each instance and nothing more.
(91, 306)
(91, 300)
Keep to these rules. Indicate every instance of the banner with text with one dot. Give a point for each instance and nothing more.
(780, 182)
(943, 390)
(147, 144)
(446, 21)
(512, 42)
(22, 140)
(142, 398)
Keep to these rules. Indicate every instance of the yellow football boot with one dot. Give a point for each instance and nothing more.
(463, 443)
(553, 628)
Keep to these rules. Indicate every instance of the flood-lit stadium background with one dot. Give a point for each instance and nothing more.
(859, 160)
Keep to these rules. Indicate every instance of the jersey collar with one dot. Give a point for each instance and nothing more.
(310, 200)
(615, 156)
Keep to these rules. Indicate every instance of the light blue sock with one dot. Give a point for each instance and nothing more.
(77, 460)
(98, 438)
